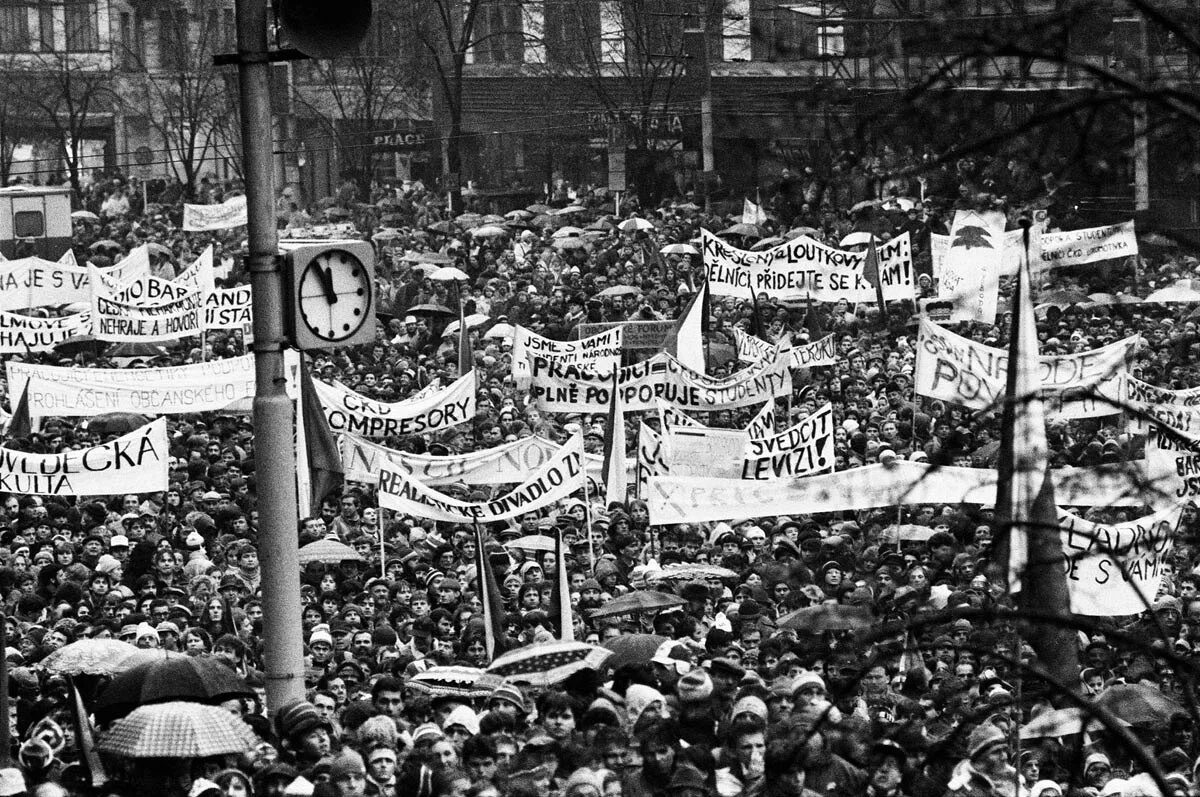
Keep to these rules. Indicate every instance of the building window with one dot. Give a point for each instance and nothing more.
(83, 25)
(173, 42)
(14, 26)
(499, 33)
(131, 41)
(29, 224)
(46, 26)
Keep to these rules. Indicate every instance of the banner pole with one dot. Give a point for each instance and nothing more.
(382, 546)
(587, 519)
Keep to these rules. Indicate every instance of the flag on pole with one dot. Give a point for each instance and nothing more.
(686, 340)
(489, 596)
(614, 449)
(466, 358)
(753, 213)
(871, 274)
(92, 765)
(21, 424)
(325, 467)
(560, 596)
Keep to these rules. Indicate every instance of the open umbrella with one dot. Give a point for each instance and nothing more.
(689, 572)
(329, 551)
(443, 227)
(1061, 722)
(538, 209)
(1138, 704)
(469, 683)
(1064, 298)
(449, 274)
(116, 423)
(600, 225)
(105, 244)
(488, 231)
(548, 664)
(430, 309)
(436, 258)
(137, 348)
(570, 210)
(85, 215)
(202, 679)
(866, 203)
(619, 290)
(629, 648)
(859, 238)
(473, 320)
(827, 617)
(177, 730)
(797, 232)
(387, 234)
(567, 232)
(518, 215)
(637, 602)
(567, 244)
(905, 532)
(1180, 293)
(88, 657)
(533, 542)
(500, 332)
(679, 249)
(155, 248)
(767, 243)
(635, 225)
(744, 230)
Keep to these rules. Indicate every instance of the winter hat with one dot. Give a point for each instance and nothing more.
(694, 687)
(807, 678)
(983, 737)
(145, 630)
(1096, 758)
(750, 705)
(194, 540)
(638, 698)
(347, 763)
(1046, 788)
(585, 776)
(320, 635)
(297, 718)
(687, 779)
(378, 731)
(463, 717)
(509, 693)
(1114, 788)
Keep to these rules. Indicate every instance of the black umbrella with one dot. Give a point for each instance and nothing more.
(431, 309)
(197, 679)
(117, 423)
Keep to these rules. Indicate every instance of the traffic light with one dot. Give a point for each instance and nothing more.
(324, 29)
(331, 294)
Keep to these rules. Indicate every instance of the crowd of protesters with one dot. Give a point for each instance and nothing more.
(730, 703)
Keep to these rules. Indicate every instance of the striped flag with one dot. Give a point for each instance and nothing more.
(871, 274)
(489, 596)
(21, 425)
(615, 489)
(686, 340)
(466, 358)
(560, 601)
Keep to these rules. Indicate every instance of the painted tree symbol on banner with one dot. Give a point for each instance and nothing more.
(970, 236)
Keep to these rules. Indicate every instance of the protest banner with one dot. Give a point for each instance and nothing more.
(34, 282)
(804, 268)
(636, 335)
(801, 450)
(601, 351)
(704, 451)
(763, 422)
(1149, 407)
(971, 271)
(22, 334)
(555, 387)
(509, 463)
(1078, 247)
(959, 370)
(228, 214)
(348, 411)
(1116, 569)
(651, 458)
(199, 275)
(134, 462)
(400, 491)
(228, 308)
(230, 376)
(1172, 467)
(804, 355)
(146, 309)
(674, 499)
(1011, 256)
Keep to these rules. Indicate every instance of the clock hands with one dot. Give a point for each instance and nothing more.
(327, 281)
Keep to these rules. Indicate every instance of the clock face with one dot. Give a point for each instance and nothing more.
(335, 295)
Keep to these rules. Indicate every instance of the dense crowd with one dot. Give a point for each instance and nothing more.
(723, 700)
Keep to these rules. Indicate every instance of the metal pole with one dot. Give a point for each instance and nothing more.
(274, 417)
(5, 706)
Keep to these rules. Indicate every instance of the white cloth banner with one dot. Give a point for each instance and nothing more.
(1147, 406)
(1116, 569)
(509, 463)
(1010, 256)
(673, 499)
(34, 282)
(562, 475)
(22, 334)
(177, 389)
(147, 309)
(601, 351)
(705, 451)
(348, 411)
(959, 370)
(806, 268)
(1077, 247)
(803, 449)
(135, 462)
(567, 388)
(228, 308)
(651, 458)
(806, 355)
(971, 272)
(230, 213)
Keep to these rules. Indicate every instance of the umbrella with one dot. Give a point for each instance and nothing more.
(105, 244)
(744, 230)
(443, 227)
(85, 215)
(448, 273)
(856, 239)
(177, 730)
(646, 600)
(137, 348)
(117, 423)
(629, 648)
(538, 210)
(767, 243)
(473, 320)
(797, 232)
(468, 220)
(1064, 298)
(431, 309)
(145, 656)
(387, 234)
(338, 213)
(425, 268)
(687, 572)
(88, 657)
(899, 203)
(1138, 704)
(501, 332)
(548, 664)
(567, 232)
(619, 290)
(532, 542)
(202, 679)
(1158, 239)
(905, 532)
(827, 617)
(600, 225)
(329, 551)
(679, 249)
(866, 203)
(634, 225)
(1176, 293)
(570, 243)
(488, 231)
(469, 683)
(518, 215)
(155, 248)
(1060, 722)
(569, 210)
(493, 218)
(689, 206)
(436, 258)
